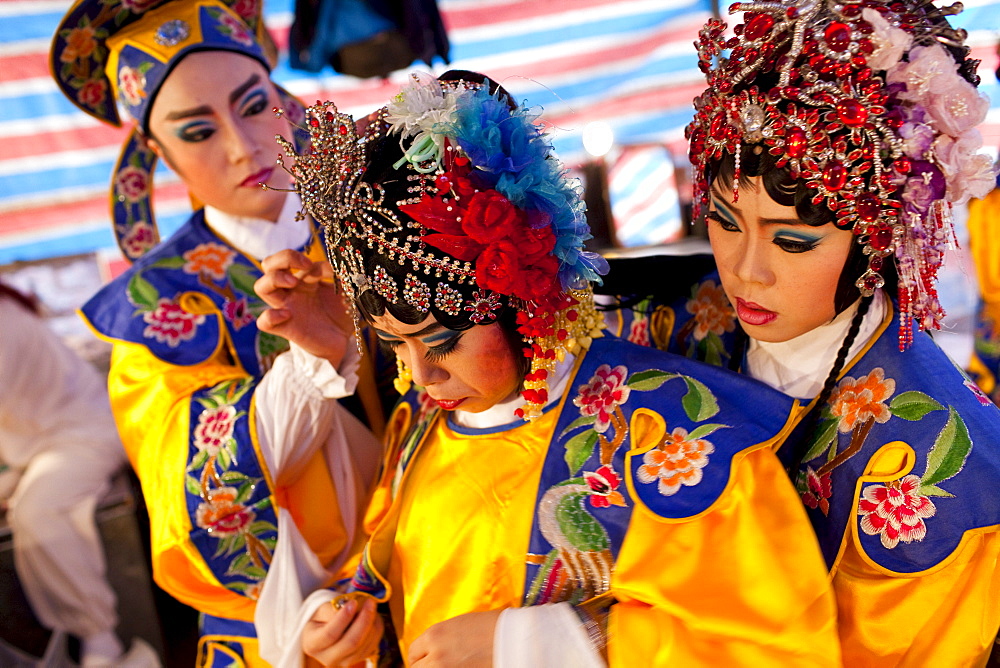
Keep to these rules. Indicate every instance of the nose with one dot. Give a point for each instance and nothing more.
(752, 260)
(425, 373)
(240, 142)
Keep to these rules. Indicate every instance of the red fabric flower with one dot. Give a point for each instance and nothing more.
(497, 266)
(535, 243)
(490, 217)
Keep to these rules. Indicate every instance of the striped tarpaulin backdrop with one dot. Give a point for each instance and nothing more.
(627, 62)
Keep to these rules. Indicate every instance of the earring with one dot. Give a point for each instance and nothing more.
(402, 380)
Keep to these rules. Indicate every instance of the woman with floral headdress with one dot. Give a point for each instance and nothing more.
(187, 383)
(549, 497)
(828, 149)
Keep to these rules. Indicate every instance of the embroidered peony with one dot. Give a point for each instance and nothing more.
(712, 311)
(132, 183)
(169, 323)
(221, 515)
(245, 9)
(80, 44)
(676, 461)
(140, 238)
(605, 392)
(604, 485)
(210, 259)
(131, 86)
(138, 6)
(818, 491)
(92, 92)
(238, 312)
(895, 511)
(857, 401)
(638, 332)
(214, 429)
(236, 29)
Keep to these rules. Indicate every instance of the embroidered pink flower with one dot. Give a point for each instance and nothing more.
(604, 484)
(639, 332)
(236, 29)
(131, 85)
(138, 6)
(171, 324)
(605, 391)
(245, 9)
(857, 401)
(712, 311)
(676, 461)
(210, 259)
(80, 43)
(140, 238)
(92, 92)
(818, 491)
(221, 515)
(132, 183)
(214, 429)
(895, 511)
(238, 312)
(981, 396)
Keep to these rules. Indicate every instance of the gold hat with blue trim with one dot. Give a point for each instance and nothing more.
(107, 53)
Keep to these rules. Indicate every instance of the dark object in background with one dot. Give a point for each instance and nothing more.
(365, 38)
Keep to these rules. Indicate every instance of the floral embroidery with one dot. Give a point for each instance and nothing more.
(80, 44)
(221, 515)
(132, 183)
(169, 323)
(895, 511)
(238, 312)
(677, 461)
(638, 331)
(209, 259)
(92, 92)
(138, 6)
(857, 401)
(246, 10)
(215, 428)
(132, 86)
(818, 491)
(235, 28)
(139, 238)
(981, 396)
(604, 485)
(602, 395)
(712, 312)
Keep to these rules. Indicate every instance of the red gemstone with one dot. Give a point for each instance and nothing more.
(759, 26)
(343, 129)
(868, 207)
(838, 36)
(876, 264)
(796, 143)
(902, 165)
(834, 175)
(851, 113)
(881, 239)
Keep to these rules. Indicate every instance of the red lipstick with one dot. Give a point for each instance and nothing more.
(449, 405)
(254, 180)
(753, 314)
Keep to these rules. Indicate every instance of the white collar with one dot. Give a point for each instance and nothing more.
(503, 412)
(799, 367)
(258, 237)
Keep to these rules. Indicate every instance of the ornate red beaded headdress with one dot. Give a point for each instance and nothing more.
(475, 214)
(874, 104)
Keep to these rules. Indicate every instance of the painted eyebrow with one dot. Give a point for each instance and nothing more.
(720, 203)
(433, 327)
(205, 110)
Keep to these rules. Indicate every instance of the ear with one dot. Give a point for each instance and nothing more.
(154, 146)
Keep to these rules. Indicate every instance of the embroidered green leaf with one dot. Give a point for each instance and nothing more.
(269, 543)
(192, 485)
(580, 528)
(255, 572)
(579, 422)
(705, 430)
(650, 379)
(238, 564)
(142, 293)
(234, 477)
(269, 345)
(950, 450)
(579, 449)
(913, 405)
(822, 438)
(243, 276)
(224, 458)
(699, 402)
(244, 491)
(933, 490)
(262, 526)
(715, 350)
(198, 461)
(169, 263)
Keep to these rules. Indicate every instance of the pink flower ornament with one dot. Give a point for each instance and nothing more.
(890, 43)
(895, 511)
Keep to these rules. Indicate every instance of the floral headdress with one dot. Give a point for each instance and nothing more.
(487, 216)
(868, 104)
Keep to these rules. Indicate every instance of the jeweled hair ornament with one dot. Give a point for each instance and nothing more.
(489, 217)
(874, 104)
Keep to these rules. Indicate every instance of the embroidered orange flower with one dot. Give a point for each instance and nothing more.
(221, 515)
(676, 461)
(857, 401)
(80, 44)
(712, 311)
(209, 258)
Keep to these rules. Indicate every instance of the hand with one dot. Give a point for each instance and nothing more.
(305, 306)
(466, 640)
(343, 637)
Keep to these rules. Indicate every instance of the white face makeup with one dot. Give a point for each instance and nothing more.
(212, 122)
(472, 370)
(779, 274)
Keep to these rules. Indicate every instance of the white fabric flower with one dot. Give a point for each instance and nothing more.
(890, 43)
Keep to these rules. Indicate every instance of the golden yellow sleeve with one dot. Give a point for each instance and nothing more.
(743, 584)
(984, 244)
